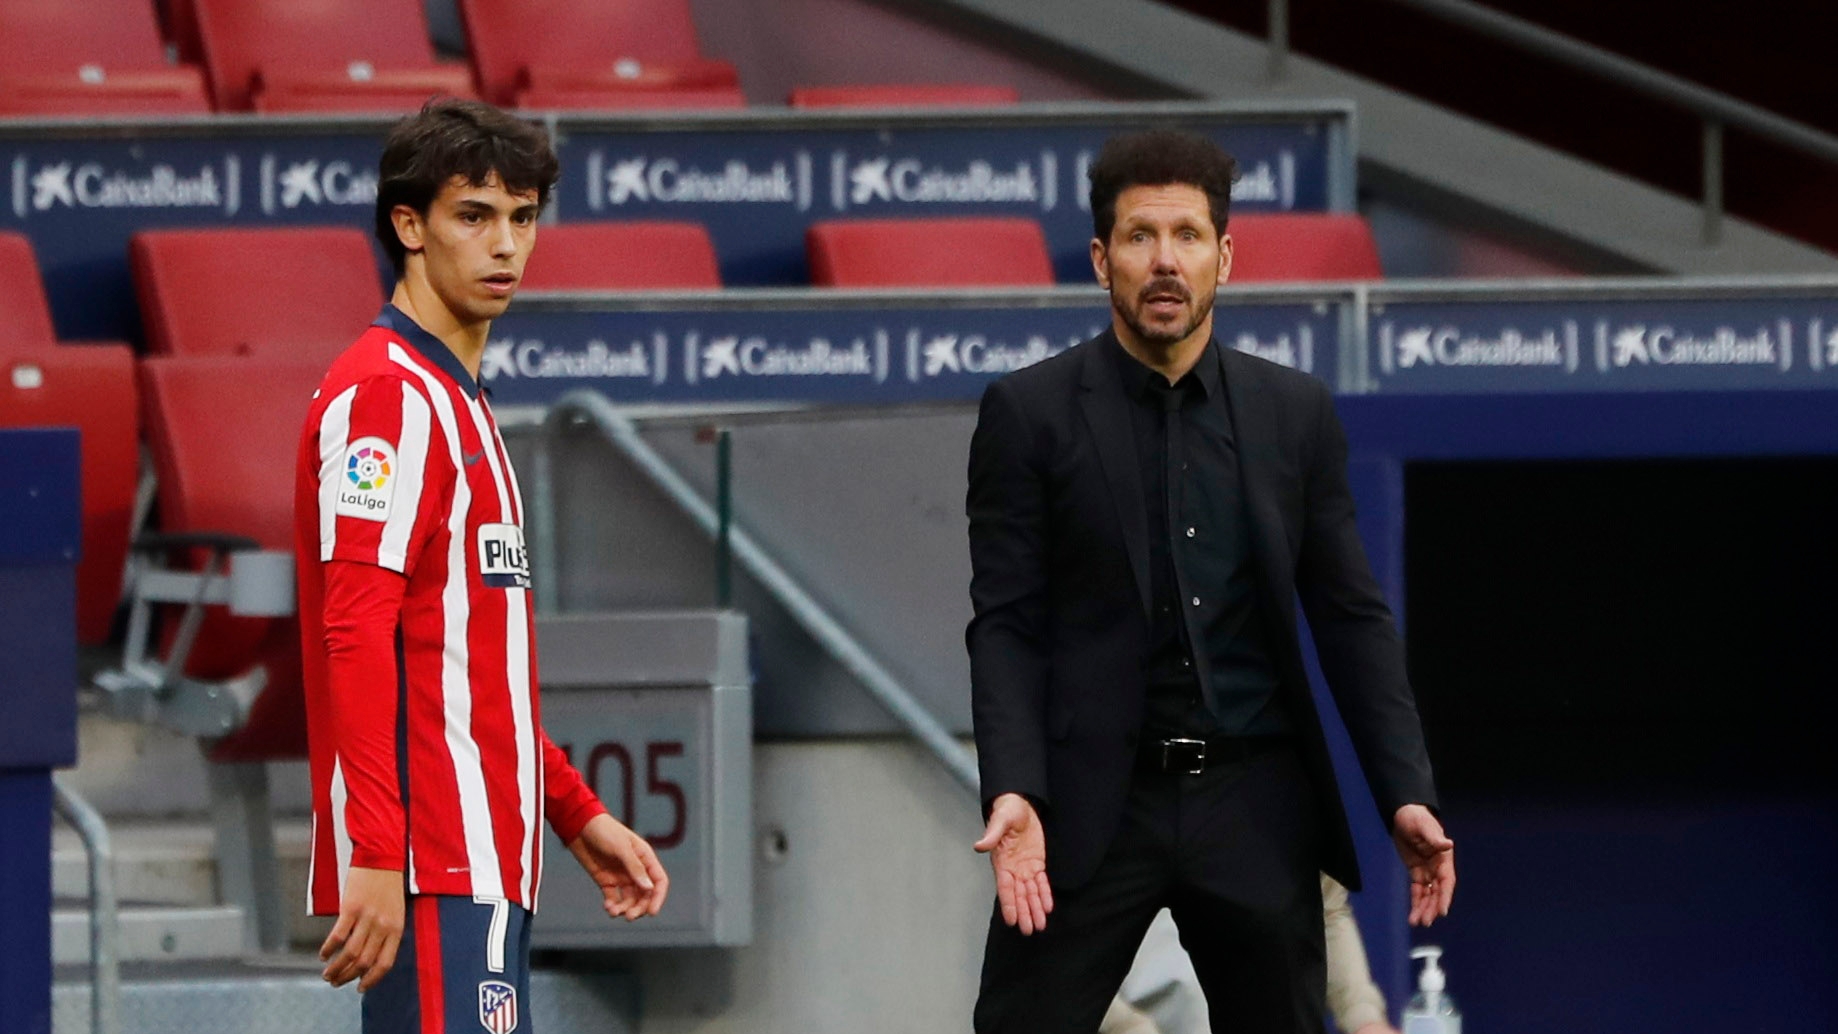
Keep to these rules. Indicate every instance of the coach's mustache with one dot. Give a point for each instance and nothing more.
(1168, 286)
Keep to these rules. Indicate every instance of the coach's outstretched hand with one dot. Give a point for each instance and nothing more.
(1430, 856)
(1017, 849)
(363, 942)
(632, 881)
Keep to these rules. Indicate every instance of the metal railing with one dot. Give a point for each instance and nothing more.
(1716, 109)
(104, 911)
(819, 623)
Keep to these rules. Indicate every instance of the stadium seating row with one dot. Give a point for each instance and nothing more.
(107, 57)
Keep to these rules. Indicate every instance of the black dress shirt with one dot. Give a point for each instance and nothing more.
(1202, 583)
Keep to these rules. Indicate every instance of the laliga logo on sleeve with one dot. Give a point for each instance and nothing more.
(497, 1006)
(369, 480)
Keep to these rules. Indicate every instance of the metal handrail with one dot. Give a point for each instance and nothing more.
(1717, 109)
(619, 431)
(104, 910)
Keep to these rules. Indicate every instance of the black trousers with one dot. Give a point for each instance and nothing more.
(1234, 855)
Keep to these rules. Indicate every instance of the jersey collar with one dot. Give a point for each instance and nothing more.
(431, 347)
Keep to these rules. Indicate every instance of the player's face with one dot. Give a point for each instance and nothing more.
(1163, 263)
(475, 241)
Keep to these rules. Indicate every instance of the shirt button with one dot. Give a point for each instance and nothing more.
(1196, 601)
(1186, 662)
(1190, 533)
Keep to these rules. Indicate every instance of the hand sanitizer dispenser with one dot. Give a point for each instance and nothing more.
(1431, 1010)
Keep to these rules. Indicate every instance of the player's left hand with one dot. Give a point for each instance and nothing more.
(1430, 857)
(632, 881)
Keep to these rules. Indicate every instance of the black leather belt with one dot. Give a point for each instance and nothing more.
(1182, 755)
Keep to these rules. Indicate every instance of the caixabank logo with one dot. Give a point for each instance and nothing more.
(1821, 346)
(710, 358)
(618, 180)
(1264, 182)
(1404, 347)
(1292, 348)
(931, 355)
(48, 187)
(1625, 346)
(287, 185)
(864, 180)
(593, 360)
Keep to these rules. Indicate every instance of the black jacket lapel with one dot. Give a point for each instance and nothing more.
(1106, 413)
(1255, 426)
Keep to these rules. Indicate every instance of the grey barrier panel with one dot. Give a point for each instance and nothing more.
(655, 709)
(852, 347)
(1602, 335)
(756, 178)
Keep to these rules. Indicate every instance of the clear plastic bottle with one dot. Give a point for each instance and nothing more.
(1431, 1010)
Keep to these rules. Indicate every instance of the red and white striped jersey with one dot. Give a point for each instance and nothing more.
(435, 763)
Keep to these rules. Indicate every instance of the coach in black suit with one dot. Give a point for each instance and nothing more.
(1144, 511)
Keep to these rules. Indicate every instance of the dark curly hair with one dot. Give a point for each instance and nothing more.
(1157, 158)
(449, 137)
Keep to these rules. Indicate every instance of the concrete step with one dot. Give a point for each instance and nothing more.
(173, 862)
(151, 932)
(284, 995)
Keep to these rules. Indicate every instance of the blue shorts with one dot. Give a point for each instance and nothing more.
(463, 968)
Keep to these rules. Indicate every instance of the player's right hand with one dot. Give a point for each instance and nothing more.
(363, 942)
(1017, 849)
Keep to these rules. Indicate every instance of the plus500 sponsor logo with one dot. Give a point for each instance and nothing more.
(312, 182)
(47, 186)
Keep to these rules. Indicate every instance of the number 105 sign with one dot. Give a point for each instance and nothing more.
(675, 764)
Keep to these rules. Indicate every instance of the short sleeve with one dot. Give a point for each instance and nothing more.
(377, 477)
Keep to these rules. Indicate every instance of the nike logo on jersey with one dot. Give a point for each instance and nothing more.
(474, 457)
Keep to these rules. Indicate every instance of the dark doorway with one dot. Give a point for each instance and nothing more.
(1624, 669)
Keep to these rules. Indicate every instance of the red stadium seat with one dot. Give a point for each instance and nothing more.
(25, 318)
(622, 256)
(222, 433)
(711, 98)
(1000, 252)
(90, 387)
(182, 30)
(915, 95)
(91, 57)
(350, 55)
(1302, 246)
(586, 53)
(290, 293)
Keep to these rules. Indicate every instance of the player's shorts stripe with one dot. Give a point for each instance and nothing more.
(455, 680)
(412, 463)
(430, 987)
(334, 435)
(517, 669)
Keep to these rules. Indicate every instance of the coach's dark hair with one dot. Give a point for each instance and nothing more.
(1159, 158)
(449, 137)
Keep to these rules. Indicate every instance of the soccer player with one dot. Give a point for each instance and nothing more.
(430, 769)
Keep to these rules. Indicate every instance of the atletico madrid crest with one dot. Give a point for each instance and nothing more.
(498, 1006)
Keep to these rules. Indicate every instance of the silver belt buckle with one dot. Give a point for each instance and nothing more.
(1199, 754)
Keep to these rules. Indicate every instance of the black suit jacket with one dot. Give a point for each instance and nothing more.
(1060, 585)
